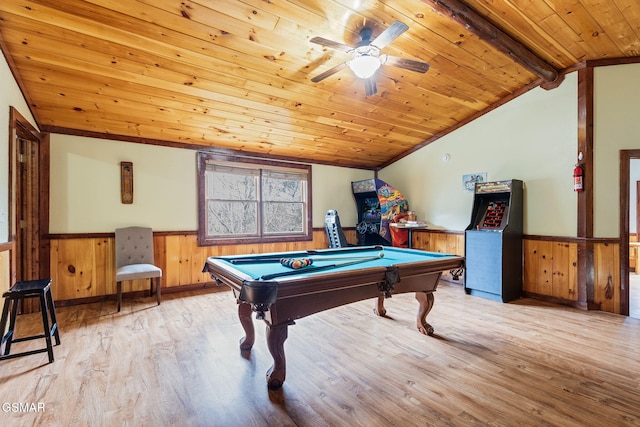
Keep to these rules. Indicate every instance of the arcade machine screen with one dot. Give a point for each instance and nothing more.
(493, 213)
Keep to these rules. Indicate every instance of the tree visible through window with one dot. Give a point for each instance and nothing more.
(244, 201)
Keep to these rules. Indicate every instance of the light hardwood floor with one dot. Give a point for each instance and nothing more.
(526, 363)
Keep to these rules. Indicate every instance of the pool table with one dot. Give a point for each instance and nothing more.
(280, 294)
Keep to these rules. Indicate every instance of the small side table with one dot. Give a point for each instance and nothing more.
(409, 226)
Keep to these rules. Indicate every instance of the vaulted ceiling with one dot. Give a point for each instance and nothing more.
(235, 76)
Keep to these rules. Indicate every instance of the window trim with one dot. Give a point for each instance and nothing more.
(204, 240)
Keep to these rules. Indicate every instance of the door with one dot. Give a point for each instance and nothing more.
(629, 283)
(30, 200)
(634, 252)
(27, 191)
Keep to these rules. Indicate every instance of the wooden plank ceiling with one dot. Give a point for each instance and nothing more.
(236, 75)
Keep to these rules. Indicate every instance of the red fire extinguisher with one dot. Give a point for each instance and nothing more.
(578, 184)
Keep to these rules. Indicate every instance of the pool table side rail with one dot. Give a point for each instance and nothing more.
(329, 279)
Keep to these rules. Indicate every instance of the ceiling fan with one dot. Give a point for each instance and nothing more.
(366, 57)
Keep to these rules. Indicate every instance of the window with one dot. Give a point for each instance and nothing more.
(251, 201)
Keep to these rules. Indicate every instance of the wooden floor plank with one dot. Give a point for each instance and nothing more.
(526, 363)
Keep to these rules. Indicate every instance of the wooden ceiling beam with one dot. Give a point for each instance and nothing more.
(490, 33)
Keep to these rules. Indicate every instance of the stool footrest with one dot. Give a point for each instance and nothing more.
(34, 337)
(24, 353)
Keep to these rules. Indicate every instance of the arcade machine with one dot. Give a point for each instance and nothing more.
(493, 241)
(377, 203)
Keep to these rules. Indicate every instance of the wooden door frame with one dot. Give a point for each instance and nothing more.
(19, 124)
(637, 209)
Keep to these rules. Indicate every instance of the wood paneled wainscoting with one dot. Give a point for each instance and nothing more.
(448, 242)
(551, 272)
(550, 266)
(83, 266)
(83, 270)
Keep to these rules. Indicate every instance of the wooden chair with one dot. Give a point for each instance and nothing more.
(134, 259)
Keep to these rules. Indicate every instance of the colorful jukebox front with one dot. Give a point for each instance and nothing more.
(378, 203)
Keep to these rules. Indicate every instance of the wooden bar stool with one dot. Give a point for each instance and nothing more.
(40, 289)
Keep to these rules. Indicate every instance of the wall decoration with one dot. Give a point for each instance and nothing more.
(469, 180)
(126, 182)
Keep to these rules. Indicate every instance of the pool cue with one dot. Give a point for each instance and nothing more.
(338, 258)
(326, 252)
(313, 257)
(314, 269)
(304, 254)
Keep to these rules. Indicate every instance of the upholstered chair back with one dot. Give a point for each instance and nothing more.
(134, 245)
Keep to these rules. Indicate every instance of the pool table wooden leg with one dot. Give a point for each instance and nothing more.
(379, 307)
(425, 301)
(244, 314)
(276, 336)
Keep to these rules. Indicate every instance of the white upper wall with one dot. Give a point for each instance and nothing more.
(616, 96)
(85, 187)
(532, 138)
(332, 190)
(11, 97)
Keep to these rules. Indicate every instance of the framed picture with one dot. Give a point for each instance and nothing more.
(469, 180)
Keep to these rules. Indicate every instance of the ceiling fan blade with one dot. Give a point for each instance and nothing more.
(330, 43)
(407, 64)
(329, 72)
(370, 86)
(390, 34)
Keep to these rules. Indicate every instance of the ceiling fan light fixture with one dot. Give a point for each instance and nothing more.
(366, 57)
(364, 66)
